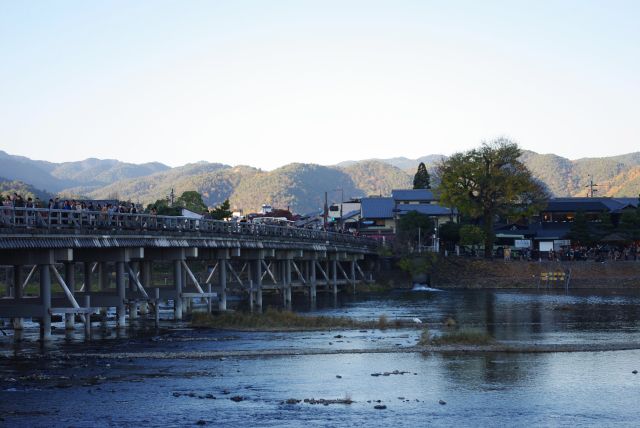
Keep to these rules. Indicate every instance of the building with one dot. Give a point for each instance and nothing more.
(550, 229)
(381, 214)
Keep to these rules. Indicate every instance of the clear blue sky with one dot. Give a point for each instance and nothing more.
(266, 83)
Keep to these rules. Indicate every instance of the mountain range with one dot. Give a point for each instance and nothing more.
(298, 186)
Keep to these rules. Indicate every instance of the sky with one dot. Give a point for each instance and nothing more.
(266, 83)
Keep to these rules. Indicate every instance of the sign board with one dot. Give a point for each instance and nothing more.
(522, 243)
(562, 242)
(546, 246)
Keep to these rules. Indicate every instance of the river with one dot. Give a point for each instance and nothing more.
(181, 376)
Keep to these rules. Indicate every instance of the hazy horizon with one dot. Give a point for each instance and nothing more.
(279, 166)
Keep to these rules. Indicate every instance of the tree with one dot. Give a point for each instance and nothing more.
(488, 182)
(630, 224)
(605, 224)
(411, 225)
(222, 211)
(422, 180)
(580, 230)
(471, 235)
(449, 233)
(192, 201)
(162, 208)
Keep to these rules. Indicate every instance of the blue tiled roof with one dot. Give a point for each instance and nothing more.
(412, 195)
(428, 209)
(377, 207)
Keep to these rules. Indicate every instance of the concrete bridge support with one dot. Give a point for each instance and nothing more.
(133, 277)
(45, 298)
(222, 283)
(70, 280)
(18, 322)
(177, 281)
(103, 282)
(145, 280)
(313, 281)
(121, 314)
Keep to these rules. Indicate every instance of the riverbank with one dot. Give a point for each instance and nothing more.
(533, 348)
(471, 273)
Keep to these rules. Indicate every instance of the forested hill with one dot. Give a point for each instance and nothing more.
(88, 173)
(298, 186)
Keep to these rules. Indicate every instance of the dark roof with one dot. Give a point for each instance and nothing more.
(553, 230)
(590, 204)
(377, 207)
(428, 209)
(412, 195)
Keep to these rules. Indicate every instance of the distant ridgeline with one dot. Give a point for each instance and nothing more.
(8, 187)
(298, 186)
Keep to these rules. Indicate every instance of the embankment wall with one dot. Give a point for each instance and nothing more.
(455, 272)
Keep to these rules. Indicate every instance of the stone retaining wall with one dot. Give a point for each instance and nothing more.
(457, 272)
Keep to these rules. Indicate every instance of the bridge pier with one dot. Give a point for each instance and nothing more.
(103, 283)
(222, 283)
(133, 303)
(18, 322)
(87, 276)
(145, 280)
(121, 314)
(257, 281)
(287, 283)
(313, 282)
(45, 297)
(352, 273)
(70, 280)
(177, 281)
(334, 276)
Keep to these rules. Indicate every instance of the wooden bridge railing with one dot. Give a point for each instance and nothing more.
(50, 220)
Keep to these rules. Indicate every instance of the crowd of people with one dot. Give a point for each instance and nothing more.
(16, 200)
(598, 253)
(30, 211)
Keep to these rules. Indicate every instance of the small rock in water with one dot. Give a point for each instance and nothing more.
(176, 394)
(338, 376)
(201, 422)
(292, 401)
(237, 398)
(338, 336)
(379, 407)
(635, 372)
(442, 402)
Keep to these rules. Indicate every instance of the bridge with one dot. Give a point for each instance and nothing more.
(76, 263)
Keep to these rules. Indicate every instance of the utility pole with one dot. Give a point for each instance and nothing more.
(591, 186)
(326, 210)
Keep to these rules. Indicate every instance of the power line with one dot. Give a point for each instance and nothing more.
(590, 187)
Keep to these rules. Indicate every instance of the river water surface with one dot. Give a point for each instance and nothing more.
(180, 377)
